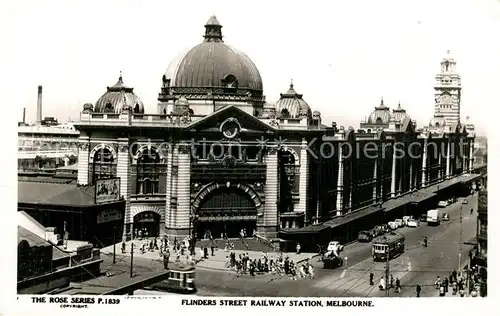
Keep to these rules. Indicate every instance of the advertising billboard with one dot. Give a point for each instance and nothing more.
(107, 190)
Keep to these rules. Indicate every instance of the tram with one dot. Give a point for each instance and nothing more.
(388, 246)
(180, 281)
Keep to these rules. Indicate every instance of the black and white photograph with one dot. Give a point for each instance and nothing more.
(248, 154)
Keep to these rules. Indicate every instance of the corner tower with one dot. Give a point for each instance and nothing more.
(447, 91)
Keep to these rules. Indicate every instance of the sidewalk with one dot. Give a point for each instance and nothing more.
(216, 262)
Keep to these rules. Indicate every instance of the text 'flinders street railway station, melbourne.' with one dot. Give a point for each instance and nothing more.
(216, 156)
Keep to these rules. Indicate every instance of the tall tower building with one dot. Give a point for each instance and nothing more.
(448, 91)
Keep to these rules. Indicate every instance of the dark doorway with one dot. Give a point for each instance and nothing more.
(230, 228)
(148, 223)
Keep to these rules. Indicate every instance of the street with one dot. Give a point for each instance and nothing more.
(438, 259)
(416, 265)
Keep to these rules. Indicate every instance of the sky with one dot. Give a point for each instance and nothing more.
(343, 56)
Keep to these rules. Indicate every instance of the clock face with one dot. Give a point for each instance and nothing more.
(230, 129)
(446, 99)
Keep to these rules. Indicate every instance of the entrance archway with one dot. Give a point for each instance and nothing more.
(148, 223)
(226, 209)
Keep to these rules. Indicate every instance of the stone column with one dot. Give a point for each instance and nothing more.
(448, 152)
(270, 221)
(123, 172)
(375, 179)
(393, 174)
(83, 160)
(411, 175)
(340, 184)
(440, 163)
(303, 179)
(168, 190)
(182, 222)
(424, 164)
(471, 156)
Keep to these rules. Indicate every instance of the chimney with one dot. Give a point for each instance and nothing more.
(39, 106)
(24, 116)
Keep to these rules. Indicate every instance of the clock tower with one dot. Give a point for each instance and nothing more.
(448, 91)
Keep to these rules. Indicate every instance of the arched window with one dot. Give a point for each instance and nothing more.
(164, 111)
(285, 113)
(136, 108)
(109, 107)
(379, 120)
(147, 171)
(103, 165)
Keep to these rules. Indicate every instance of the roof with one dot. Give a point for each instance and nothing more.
(349, 217)
(209, 63)
(381, 114)
(32, 239)
(55, 194)
(293, 103)
(118, 96)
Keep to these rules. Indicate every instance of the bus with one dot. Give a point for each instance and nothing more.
(388, 246)
(180, 281)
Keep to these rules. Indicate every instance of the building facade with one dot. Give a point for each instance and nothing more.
(217, 157)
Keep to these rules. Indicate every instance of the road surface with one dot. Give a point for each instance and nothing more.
(417, 265)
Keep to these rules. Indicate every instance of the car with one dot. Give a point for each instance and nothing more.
(393, 225)
(445, 217)
(378, 230)
(464, 201)
(364, 236)
(335, 245)
(443, 203)
(399, 222)
(423, 218)
(385, 228)
(405, 219)
(412, 223)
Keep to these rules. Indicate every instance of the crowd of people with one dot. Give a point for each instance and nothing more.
(282, 266)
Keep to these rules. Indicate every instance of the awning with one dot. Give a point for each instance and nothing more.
(349, 217)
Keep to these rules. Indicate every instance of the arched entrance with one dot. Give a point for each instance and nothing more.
(226, 209)
(148, 223)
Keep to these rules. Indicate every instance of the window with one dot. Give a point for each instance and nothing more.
(103, 166)
(285, 113)
(109, 107)
(147, 173)
(136, 108)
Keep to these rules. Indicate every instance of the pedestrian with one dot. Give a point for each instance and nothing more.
(205, 252)
(398, 286)
(418, 290)
(371, 278)
(381, 285)
(298, 248)
(437, 283)
(392, 281)
(201, 253)
(441, 290)
(212, 248)
(311, 271)
(445, 284)
(425, 241)
(123, 247)
(166, 259)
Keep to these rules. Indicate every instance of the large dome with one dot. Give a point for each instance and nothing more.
(214, 64)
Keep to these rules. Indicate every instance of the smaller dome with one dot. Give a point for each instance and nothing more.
(438, 121)
(181, 106)
(88, 107)
(268, 111)
(316, 115)
(400, 114)
(381, 115)
(117, 98)
(292, 105)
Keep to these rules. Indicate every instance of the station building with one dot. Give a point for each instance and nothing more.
(217, 156)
